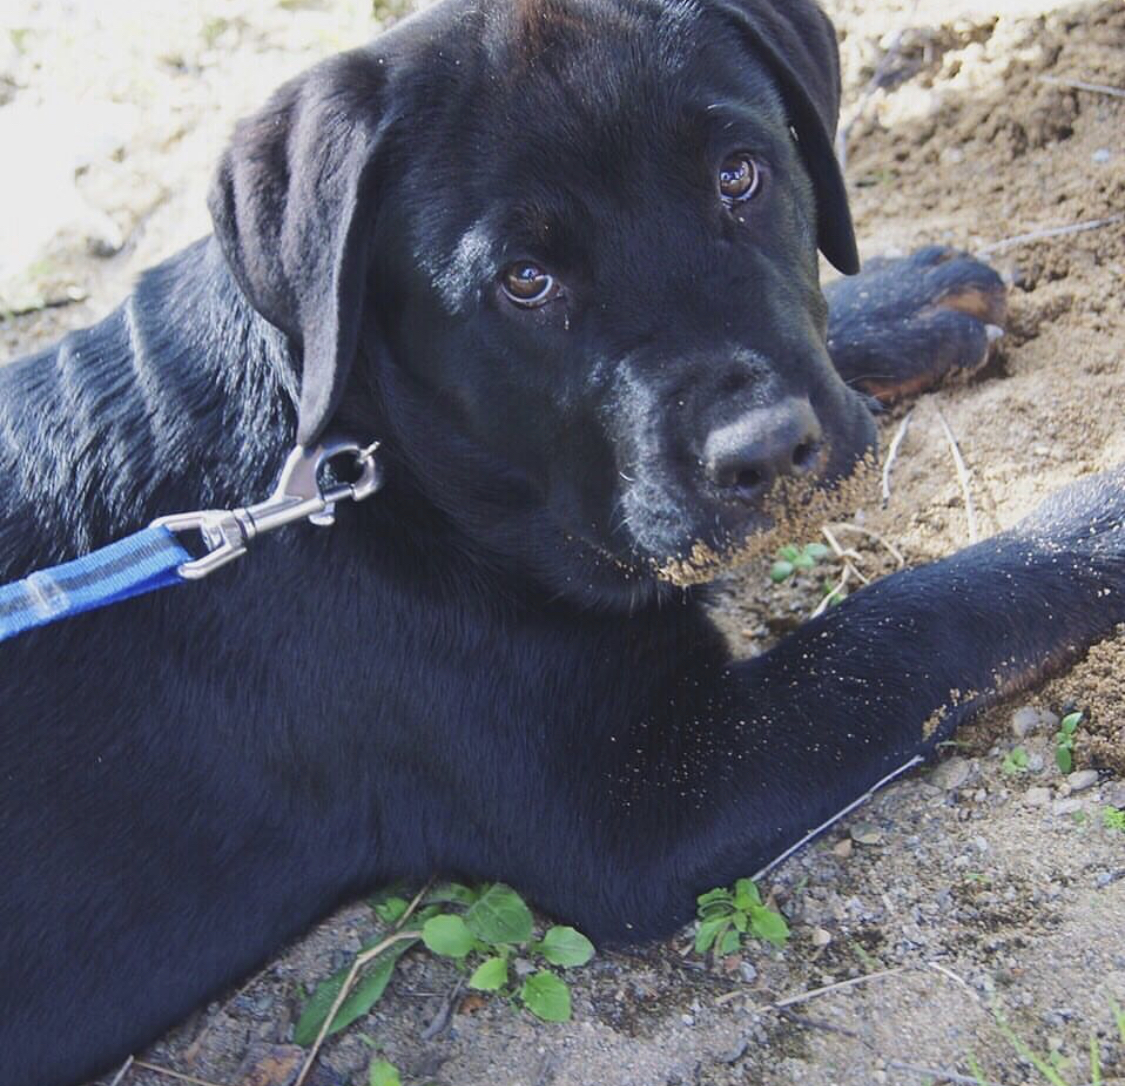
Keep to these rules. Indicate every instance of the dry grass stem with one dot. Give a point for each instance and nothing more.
(892, 454)
(1048, 232)
(886, 544)
(840, 985)
(179, 1076)
(963, 477)
(1082, 85)
(124, 1070)
(937, 1074)
(814, 833)
(363, 959)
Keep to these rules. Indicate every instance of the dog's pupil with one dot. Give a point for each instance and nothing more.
(737, 177)
(527, 280)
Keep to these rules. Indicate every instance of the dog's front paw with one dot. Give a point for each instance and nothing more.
(1086, 518)
(902, 324)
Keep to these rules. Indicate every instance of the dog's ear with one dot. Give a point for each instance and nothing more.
(294, 203)
(797, 41)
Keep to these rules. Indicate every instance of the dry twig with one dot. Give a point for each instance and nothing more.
(938, 1074)
(179, 1076)
(1048, 232)
(891, 549)
(362, 960)
(892, 453)
(814, 833)
(1082, 85)
(120, 1076)
(963, 477)
(827, 989)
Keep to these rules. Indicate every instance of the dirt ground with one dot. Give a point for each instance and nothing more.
(959, 893)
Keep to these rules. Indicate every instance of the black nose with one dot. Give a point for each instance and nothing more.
(745, 457)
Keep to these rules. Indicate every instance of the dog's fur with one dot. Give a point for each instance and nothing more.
(475, 672)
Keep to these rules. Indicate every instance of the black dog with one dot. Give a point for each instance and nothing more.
(559, 257)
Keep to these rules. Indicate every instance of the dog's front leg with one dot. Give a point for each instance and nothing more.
(776, 746)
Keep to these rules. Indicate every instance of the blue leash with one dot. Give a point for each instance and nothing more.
(152, 558)
(143, 562)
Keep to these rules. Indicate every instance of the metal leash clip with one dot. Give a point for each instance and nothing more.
(298, 496)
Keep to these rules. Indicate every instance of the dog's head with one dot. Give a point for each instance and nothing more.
(560, 256)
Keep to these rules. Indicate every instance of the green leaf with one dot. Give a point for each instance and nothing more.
(490, 975)
(1070, 722)
(804, 561)
(452, 893)
(817, 551)
(729, 943)
(746, 894)
(788, 552)
(781, 571)
(1064, 759)
(391, 910)
(383, 1073)
(499, 915)
(363, 996)
(741, 920)
(448, 936)
(709, 931)
(711, 901)
(566, 947)
(546, 997)
(768, 925)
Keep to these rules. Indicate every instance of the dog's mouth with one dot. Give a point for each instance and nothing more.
(793, 510)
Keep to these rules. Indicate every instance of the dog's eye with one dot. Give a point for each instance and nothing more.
(528, 284)
(739, 178)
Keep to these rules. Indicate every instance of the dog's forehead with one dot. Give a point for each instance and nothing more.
(572, 99)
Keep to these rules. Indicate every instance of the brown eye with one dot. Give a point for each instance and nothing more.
(528, 284)
(739, 178)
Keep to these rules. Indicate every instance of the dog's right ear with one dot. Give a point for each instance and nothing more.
(294, 204)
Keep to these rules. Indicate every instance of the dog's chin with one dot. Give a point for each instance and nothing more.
(689, 543)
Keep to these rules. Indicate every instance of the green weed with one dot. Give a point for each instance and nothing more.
(1064, 741)
(726, 917)
(480, 929)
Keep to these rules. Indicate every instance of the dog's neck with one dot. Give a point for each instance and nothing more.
(180, 399)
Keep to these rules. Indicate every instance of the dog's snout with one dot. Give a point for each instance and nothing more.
(743, 458)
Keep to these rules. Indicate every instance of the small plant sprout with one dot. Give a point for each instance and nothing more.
(1064, 741)
(1113, 819)
(383, 1073)
(726, 917)
(480, 930)
(792, 559)
(1015, 761)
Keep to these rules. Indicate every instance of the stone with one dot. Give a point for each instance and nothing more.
(1026, 721)
(1037, 797)
(1082, 779)
(951, 774)
(1066, 806)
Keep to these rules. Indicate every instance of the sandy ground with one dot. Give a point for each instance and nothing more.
(976, 888)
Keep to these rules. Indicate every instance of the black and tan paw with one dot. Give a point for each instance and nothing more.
(903, 324)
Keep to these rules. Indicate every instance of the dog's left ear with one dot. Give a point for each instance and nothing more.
(798, 43)
(294, 203)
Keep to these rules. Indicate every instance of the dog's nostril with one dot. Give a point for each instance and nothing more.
(748, 479)
(805, 454)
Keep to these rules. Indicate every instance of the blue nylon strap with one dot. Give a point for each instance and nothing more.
(142, 562)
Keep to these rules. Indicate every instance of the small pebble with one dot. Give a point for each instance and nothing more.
(1037, 797)
(748, 973)
(1025, 721)
(863, 833)
(1082, 779)
(1114, 794)
(951, 774)
(1066, 806)
(1102, 155)
(820, 937)
(843, 848)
